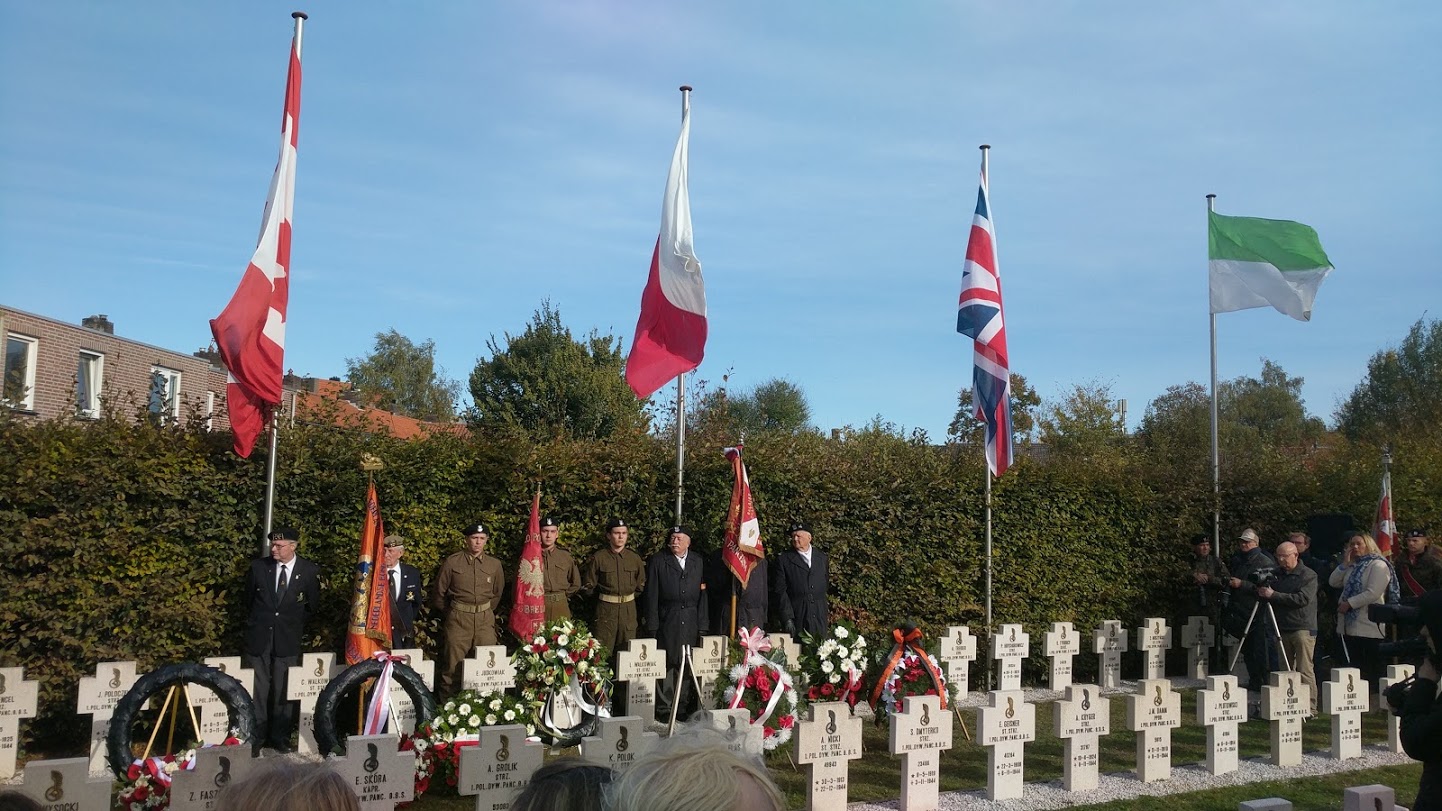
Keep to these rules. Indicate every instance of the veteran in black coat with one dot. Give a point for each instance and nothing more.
(407, 597)
(281, 592)
(675, 605)
(752, 601)
(799, 585)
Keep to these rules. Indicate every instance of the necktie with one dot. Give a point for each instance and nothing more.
(281, 583)
(395, 593)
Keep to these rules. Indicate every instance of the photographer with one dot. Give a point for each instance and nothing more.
(1365, 578)
(1293, 596)
(1421, 712)
(1249, 565)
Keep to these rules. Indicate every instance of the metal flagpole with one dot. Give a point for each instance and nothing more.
(1216, 453)
(681, 382)
(986, 176)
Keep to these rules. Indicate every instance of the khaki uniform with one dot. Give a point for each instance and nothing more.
(616, 579)
(468, 590)
(563, 578)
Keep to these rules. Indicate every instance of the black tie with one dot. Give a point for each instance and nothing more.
(391, 574)
(281, 583)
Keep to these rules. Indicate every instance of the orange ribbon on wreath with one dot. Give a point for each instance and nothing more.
(907, 637)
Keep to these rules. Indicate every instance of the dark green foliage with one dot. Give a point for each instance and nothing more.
(401, 377)
(1402, 392)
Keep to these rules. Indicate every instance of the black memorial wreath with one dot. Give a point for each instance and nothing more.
(119, 748)
(326, 737)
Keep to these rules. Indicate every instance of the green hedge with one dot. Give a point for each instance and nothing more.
(130, 540)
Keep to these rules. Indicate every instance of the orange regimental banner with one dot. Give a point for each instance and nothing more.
(742, 547)
(369, 629)
(528, 611)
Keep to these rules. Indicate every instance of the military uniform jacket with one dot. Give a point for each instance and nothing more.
(614, 574)
(675, 603)
(278, 620)
(799, 591)
(406, 610)
(1425, 572)
(468, 580)
(561, 573)
(752, 602)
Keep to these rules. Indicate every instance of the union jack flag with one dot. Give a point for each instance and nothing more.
(979, 317)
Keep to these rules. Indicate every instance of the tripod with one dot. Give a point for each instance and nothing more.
(1276, 634)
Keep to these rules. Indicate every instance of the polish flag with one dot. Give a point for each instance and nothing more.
(250, 332)
(671, 332)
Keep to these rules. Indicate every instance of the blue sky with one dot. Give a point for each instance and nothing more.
(461, 162)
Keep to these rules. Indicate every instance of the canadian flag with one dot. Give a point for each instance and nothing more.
(671, 332)
(250, 331)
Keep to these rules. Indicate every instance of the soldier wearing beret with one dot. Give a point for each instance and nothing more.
(676, 610)
(404, 582)
(799, 587)
(616, 575)
(281, 591)
(562, 575)
(1419, 568)
(467, 591)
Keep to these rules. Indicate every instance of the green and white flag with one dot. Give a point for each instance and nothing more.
(1257, 262)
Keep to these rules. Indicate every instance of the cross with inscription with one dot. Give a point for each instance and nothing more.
(825, 744)
(1345, 698)
(488, 670)
(1080, 719)
(18, 699)
(1198, 637)
(920, 733)
(1395, 674)
(957, 652)
(1009, 647)
(742, 736)
(618, 741)
(1154, 639)
(214, 717)
(498, 766)
(403, 709)
(97, 698)
(66, 784)
(1221, 706)
(380, 774)
(1110, 642)
(1005, 725)
(1286, 702)
(216, 767)
(708, 660)
(1061, 645)
(1151, 713)
(641, 666)
(304, 683)
(788, 645)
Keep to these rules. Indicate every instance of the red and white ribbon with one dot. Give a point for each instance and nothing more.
(379, 710)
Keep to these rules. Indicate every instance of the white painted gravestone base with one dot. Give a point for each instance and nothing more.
(1221, 706)
(1005, 725)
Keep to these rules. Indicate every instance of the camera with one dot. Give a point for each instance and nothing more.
(1396, 694)
(1410, 648)
(1263, 577)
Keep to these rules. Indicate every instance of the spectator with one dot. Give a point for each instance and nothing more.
(564, 784)
(1250, 560)
(1365, 578)
(801, 577)
(289, 785)
(1293, 597)
(694, 770)
(676, 612)
(282, 591)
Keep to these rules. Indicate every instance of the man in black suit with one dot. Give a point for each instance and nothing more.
(406, 596)
(676, 610)
(281, 591)
(799, 588)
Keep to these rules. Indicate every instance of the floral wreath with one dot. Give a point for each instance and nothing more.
(908, 671)
(147, 781)
(563, 654)
(456, 725)
(832, 665)
(761, 686)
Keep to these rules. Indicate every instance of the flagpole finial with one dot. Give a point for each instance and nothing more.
(1211, 197)
(686, 88)
(984, 147)
(299, 15)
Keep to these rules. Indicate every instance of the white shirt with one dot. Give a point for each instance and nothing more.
(806, 555)
(396, 572)
(681, 560)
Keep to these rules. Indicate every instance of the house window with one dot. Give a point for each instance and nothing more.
(19, 391)
(164, 393)
(89, 379)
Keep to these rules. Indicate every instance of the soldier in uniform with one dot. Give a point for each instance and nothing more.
(467, 591)
(676, 610)
(562, 576)
(404, 581)
(616, 575)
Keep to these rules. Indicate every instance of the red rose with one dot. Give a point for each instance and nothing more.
(768, 731)
(812, 694)
(787, 721)
(827, 689)
(764, 683)
(133, 772)
(139, 794)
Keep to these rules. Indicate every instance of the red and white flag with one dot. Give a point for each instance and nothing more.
(528, 608)
(671, 332)
(250, 332)
(1384, 529)
(742, 547)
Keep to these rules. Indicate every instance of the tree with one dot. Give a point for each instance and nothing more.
(546, 383)
(775, 405)
(1402, 391)
(401, 377)
(965, 428)
(1272, 407)
(1085, 425)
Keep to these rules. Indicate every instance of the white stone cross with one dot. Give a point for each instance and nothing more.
(403, 709)
(18, 699)
(1221, 706)
(97, 698)
(1154, 639)
(1395, 673)
(825, 744)
(618, 741)
(1005, 725)
(742, 736)
(66, 784)
(1110, 642)
(1286, 702)
(919, 733)
(304, 683)
(1198, 637)
(498, 766)
(1061, 645)
(1080, 719)
(378, 771)
(214, 717)
(957, 652)
(1009, 647)
(787, 644)
(1151, 713)
(708, 660)
(215, 768)
(488, 670)
(1345, 698)
(641, 666)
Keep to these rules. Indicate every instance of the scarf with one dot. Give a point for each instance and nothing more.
(1355, 586)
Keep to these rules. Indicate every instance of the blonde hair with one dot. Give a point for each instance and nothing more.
(695, 770)
(289, 785)
(1368, 543)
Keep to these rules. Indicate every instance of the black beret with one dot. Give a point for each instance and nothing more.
(798, 526)
(1417, 532)
(680, 529)
(614, 523)
(284, 534)
(472, 529)
(548, 521)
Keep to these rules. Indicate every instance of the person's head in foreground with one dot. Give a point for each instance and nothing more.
(694, 770)
(564, 784)
(289, 785)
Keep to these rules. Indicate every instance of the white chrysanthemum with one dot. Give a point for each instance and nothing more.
(738, 673)
(510, 715)
(827, 667)
(453, 719)
(860, 642)
(464, 709)
(582, 666)
(475, 720)
(834, 678)
(729, 696)
(490, 719)
(826, 648)
(563, 640)
(841, 632)
(495, 703)
(842, 652)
